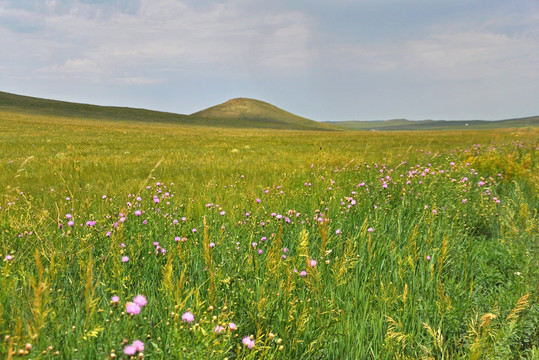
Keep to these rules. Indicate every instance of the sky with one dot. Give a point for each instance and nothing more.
(327, 60)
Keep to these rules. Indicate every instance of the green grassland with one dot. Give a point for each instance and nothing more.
(315, 244)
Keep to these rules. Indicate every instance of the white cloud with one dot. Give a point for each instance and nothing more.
(87, 42)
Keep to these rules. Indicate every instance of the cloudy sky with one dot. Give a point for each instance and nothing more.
(322, 59)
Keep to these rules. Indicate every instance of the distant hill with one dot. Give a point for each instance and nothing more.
(403, 124)
(252, 114)
(252, 110)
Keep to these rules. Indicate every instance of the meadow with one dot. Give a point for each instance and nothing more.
(160, 241)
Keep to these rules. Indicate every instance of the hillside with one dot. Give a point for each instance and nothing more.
(252, 110)
(403, 124)
(260, 116)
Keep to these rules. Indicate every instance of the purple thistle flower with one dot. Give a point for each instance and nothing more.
(188, 317)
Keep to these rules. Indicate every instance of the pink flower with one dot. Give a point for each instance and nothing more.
(130, 350)
(313, 263)
(232, 326)
(125, 259)
(428, 257)
(212, 245)
(188, 317)
(70, 223)
(303, 273)
(248, 342)
(8, 258)
(115, 299)
(139, 345)
(370, 229)
(138, 213)
(140, 300)
(132, 308)
(219, 329)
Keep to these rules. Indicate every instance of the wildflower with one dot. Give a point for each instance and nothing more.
(125, 259)
(464, 201)
(370, 229)
(222, 213)
(68, 216)
(8, 258)
(139, 345)
(71, 223)
(188, 317)
(232, 326)
(260, 251)
(428, 257)
(132, 308)
(247, 341)
(194, 230)
(177, 238)
(258, 200)
(138, 212)
(313, 263)
(338, 231)
(212, 245)
(218, 329)
(130, 350)
(115, 299)
(140, 300)
(303, 273)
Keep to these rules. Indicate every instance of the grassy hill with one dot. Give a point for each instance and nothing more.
(252, 110)
(266, 116)
(403, 124)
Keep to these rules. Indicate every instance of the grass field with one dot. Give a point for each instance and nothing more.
(265, 244)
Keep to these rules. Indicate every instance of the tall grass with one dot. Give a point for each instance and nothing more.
(282, 245)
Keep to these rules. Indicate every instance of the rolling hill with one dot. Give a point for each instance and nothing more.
(251, 110)
(403, 124)
(244, 113)
(236, 113)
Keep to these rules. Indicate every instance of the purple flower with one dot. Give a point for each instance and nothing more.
(139, 345)
(188, 317)
(140, 300)
(370, 229)
(138, 212)
(248, 342)
(303, 273)
(219, 329)
(130, 350)
(125, 259)
(232, 326)
(132, 308)
(428, 257)
(313, 263)
(8, 258)
(70, 223)
(212, 245)
(115, 299)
